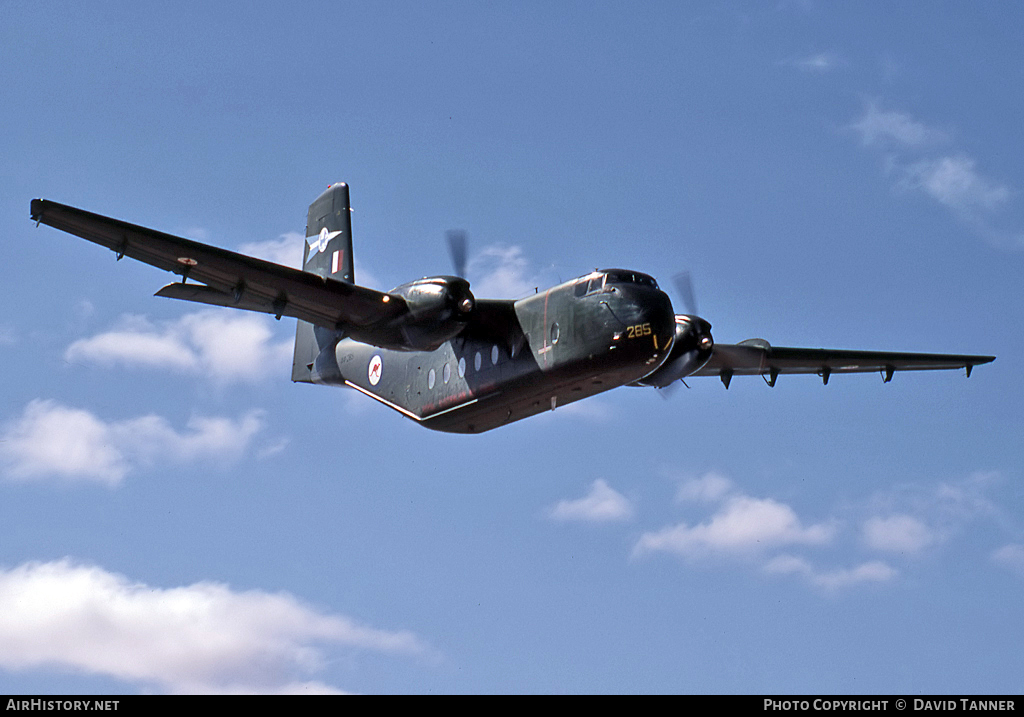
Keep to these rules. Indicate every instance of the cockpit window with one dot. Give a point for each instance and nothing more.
(631, 277)
(595, 282)
(588, 285)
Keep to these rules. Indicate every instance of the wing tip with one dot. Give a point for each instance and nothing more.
(979, 360)
(36, 209)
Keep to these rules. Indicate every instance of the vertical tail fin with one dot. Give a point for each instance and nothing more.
(328, 253)
(329, 235)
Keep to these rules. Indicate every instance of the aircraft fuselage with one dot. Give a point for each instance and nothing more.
(575, 340)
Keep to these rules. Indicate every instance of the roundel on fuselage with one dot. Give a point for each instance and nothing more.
(375, 369)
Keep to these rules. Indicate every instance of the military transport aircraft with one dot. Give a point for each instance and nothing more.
(434, 352)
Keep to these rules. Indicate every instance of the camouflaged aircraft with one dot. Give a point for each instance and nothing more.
(435, 353)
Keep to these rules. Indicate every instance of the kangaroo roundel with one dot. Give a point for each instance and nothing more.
(376, 366)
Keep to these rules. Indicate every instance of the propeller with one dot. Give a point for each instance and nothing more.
(684, 288)
(457, 249)
(693, 342)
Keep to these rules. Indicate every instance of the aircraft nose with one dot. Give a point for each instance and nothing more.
(660, 314)
(657, 319)
(643, 313)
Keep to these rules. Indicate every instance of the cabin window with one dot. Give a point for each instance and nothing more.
(494, 355)
(554, 333)
(446, 372)
(462, 367)
(478, 361)
(431, 378)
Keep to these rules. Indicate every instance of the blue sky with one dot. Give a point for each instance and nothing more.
(177, 516)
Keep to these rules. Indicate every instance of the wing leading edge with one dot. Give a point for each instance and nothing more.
(230, 279)
(758, 357)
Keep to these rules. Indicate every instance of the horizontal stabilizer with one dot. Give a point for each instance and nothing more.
(203, 294)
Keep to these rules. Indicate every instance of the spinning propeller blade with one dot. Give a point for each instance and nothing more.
(457, 249)
(684, 288)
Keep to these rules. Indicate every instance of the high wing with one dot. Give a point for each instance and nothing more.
(758, 357)
(231, 279)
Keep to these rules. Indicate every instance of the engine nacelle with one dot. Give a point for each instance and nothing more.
(690, 351)
(439, 307)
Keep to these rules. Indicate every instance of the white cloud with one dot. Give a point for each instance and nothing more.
(919, 515)
(874, 571)
(201, 638)
(1010, 556)
(501, 273)
(55, 441)
(709, 488)
(754, 528)
(954, 182)
(364, 277)
(198, 233)
(879, 127)
(272, 449)
(915, 517)
(819, 63)
(496, 272)
(744, 525)
(602, 504)
(52, 440)
(967, 499)
(898, 533)
(287, 249)
(222, 345)
(761, 532)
